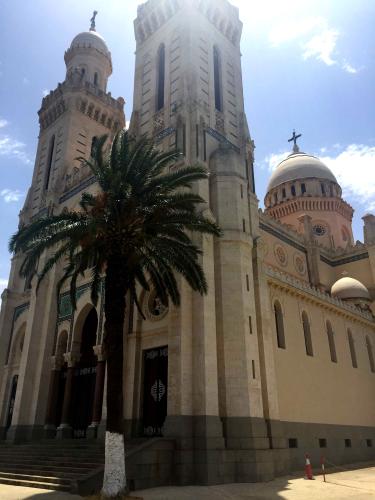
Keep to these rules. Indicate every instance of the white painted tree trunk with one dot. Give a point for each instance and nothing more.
(114, 482)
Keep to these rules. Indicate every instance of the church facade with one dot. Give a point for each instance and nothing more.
(277, 360)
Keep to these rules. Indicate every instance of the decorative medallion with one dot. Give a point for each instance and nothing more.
(281, 255)
(299, 264)
(155, 309)
(319, 229)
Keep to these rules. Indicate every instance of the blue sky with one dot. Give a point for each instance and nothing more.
(307, 64)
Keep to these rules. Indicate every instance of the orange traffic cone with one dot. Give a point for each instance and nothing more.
(308, 468)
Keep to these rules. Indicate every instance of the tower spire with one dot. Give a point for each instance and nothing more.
(294, 140)
(92, 21)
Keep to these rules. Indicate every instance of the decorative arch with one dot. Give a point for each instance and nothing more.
(79, 326)
(307, 334)
(279, 322)
(17, 346)
(62, 343)
(331, 342)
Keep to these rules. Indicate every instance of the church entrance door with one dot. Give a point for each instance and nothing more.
(12, 399)
(84, 379)
(155, 390)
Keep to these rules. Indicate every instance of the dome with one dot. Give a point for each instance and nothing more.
(349, 288)
(298, 166)
(90, 39)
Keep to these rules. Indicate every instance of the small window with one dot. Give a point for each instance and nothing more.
(293, 190)
(369, 443)
(331, 342)
(241, 191)
(348, 443)
(83, 71)
(161, 78)
(96, 79)
(370, 354)
(352, 350)
(275, 197)
(284, 193)
(322, 187)
(247, 283)
(303, 188)
(279, 321)
(253, 367)
(244, 225)
(322, 443)
(293, 443)
(250, 325)
(307, 334)
(49, 161)
(217, 80)
(331, 190)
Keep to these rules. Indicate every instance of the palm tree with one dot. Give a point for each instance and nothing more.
(134, 233)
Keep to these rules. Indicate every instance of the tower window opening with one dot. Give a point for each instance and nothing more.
(370, 354)
(303, 188)
(331, 343)
(96, 79)
(161, 78)
(322, 187)
(293, 190)
(83, 71)
(307, 334)
(275, 197)
(279, 321)
(284, 193)
(352, 350)
(217, 81)
(49, 161)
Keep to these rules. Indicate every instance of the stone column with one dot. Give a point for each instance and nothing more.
(92, 431)
(64, 431)
(50, 421)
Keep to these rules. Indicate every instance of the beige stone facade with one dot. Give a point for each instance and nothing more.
(269, 364)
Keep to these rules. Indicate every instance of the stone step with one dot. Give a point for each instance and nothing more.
(48, 470)
(59, 463)
(35, 484)
(72, 456)
(40, 478)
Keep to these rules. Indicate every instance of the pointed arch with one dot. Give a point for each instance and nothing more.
(279, 322)
(331, 342)
(353, 354)
(160, 91)
(217, 80)
(307, 334)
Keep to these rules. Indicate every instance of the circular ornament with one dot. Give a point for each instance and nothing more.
(156, 310)
(281, 255)
(319, 229)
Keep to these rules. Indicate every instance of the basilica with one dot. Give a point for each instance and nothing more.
(277, 360)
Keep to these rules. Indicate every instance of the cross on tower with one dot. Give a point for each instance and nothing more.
(294, 140)
(92, 20)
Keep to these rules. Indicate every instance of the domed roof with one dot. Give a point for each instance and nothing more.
(90, 39)
(349, 288)
(298, 166)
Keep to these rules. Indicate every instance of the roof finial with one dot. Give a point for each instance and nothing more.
(92, 21)
(294, 139)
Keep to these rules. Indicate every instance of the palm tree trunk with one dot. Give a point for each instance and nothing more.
(114, 482)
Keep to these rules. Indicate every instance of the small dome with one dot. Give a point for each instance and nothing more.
(298, 166)
(349, 288)
(90, 39)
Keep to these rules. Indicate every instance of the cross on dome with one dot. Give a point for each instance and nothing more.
(92, 21)
(294, 139)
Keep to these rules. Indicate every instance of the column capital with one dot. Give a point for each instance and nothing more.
(72, 358)
(57, 362)
(99, 352)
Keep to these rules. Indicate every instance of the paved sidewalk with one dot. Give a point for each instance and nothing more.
(349, 485)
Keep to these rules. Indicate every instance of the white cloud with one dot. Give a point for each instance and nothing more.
(25, 80)
(274, 159)
(349, 68)
(13, 148)
(10, 195)
(3, 123)
(322, 47)
(3, 285)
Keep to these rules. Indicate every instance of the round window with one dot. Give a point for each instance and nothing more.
(319, 230)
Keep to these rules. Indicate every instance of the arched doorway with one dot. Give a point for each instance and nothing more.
(84, 378)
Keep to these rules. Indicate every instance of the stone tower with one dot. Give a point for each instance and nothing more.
(188, 95)
(71, 118)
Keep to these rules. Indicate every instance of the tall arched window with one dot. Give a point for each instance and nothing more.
(352, 349)
(49, 161)
(96, 79)
(307, 334)
(217, 80)
(331, 342)
(279, 321)
(370, 354)
(161, 78)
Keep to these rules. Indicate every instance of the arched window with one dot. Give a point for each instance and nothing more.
(307, 334)
(293, 190)
(217, 80)
(279, 321)
(161, 78)
(96, 79)
(370, 354)
(331, 342)
(352, 350)
(303, 188)
(49, 161)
